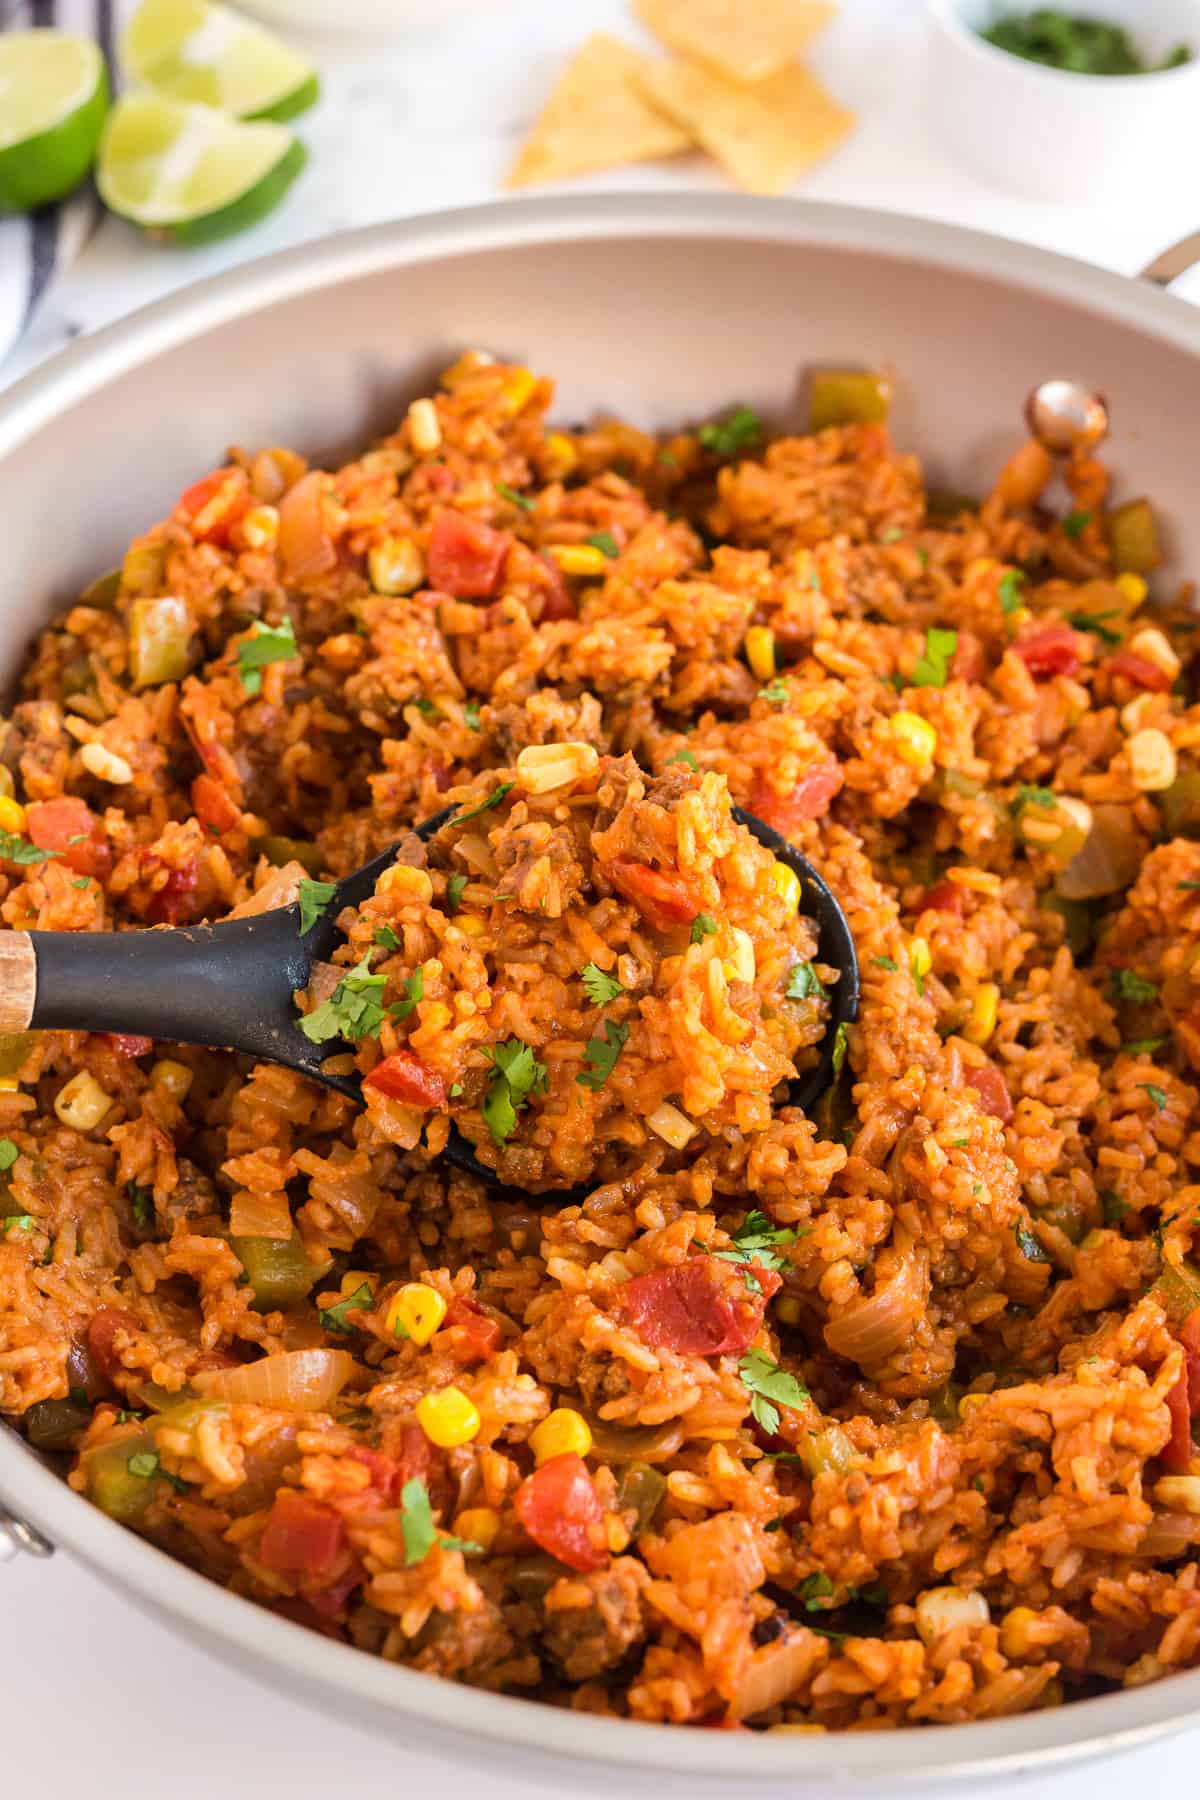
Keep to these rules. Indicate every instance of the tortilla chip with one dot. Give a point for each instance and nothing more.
(765, 135)
(597, 118)
(743, 42)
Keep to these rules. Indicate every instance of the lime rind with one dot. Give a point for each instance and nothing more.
(51, 127)
(203, 53)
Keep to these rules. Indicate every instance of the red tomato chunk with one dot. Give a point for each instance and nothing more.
(475, 1336)
(212, 507)
(70, 829)
(992, 1089)
(701, 1307)
(126, 1045)
(560, 1510)
(1177, 1454)
(664, 899)
(809, 799)
(303, 1540)
(403, 1076)
(212, 805)
(465, 557)
(944, 896)
(1140, 671)
(102, 1332)
(1051, 650)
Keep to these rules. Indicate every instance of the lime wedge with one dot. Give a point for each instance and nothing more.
(201, 52)
(189, 172)
(53, 98)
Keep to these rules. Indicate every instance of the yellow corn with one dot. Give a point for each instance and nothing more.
(919, 959)
(741, 965)
(260, 527)
(82, 1103)
(786, 883)
(353, 1279)
(1152, 761)
(415, 1312)
(448, 1419)
(563, 1433)
(395, 566)
(172, 1078)
(518, 386)
(578, 559)
(478, 1525)
(788, 1310)
(915, 739)
(759, 646)
(1151, 643)
(1133, 587)
(470, 924)
(424, 428)
(8, 1084)
(543, 767)
(561, 456)
(12, 814)
(409, 883)
(673, 1126)
(985, 1003)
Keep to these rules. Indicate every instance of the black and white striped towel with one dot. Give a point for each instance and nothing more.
(33, 249)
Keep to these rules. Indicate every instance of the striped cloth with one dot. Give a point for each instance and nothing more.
(33, 249)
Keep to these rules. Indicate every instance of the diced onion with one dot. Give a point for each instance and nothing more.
(1108, 861)
(305, 547)
(295, 1380)
(874, 1325)
(772, 1676)
(947, 1609)
(260, 1215)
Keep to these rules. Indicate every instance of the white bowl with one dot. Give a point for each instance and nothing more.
(363, 19)
(1054, 135)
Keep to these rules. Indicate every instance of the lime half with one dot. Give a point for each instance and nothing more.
(189, 172)
(53, 98)
(201, 52)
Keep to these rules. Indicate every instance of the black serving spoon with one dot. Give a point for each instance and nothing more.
(230, 985)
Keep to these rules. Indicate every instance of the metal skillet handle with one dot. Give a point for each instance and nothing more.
(1174, 261)
(17, 1535)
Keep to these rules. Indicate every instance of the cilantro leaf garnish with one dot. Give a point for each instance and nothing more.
(418, 1530)
(17, 1222)
(601, 988)
(885, 962)
(1033, 796)
(605, 541)
(454, 892)
(146, 1466)
(494, 798)
(775, 691)
(414, 990)
(511, 495)
(602, 1054)
(1156, 1093)
(518, 1074)
(686, 757)
(333, 1318)
(141, 1203)
(1094, 622)
(759, 1241)
(1009, 590)
(314, 897)
(1027, 1244)
(19, 850)
(1127, 984)
(266, 644)
(802, 983)
(726, 437)
(353, 1010)
(702, 927)
(932, 667)
(815, 1588)
(1076, 523)
(770, 1387)
(1143, 1046)
(8, 1153)
(386, 938)
(471, 715)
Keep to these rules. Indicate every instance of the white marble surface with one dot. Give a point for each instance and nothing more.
(96, 1701)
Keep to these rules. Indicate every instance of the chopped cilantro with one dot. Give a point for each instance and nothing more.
(314, 898)
(922, 556)
(386, 938)
(425, 707)
(604, 540)
(518, 1074)
(76, 838)
(802, 983)
(333, 1318)
(885, 962)
(8, 1153)
(353, 1010)
(20, 850)
(770, 1387)
(511, 495)
(141, 1202)
(1009, 590)
(684, 756)
(775, 691)
(1143, 1046)
(933, 665)
(414, 990)
(759, 1241)
(602, 1054)
(892, 535)
(471, 715)
(454, 892)
(1033, 796)
(702, 927)
(266, 644)
(1156, 1093)
(1076, 523)
(1127, 984)
(839, 1048)
(1114, 1207)
(814, 1589)
(418, 1530)
(494, 798)
(736, 432)
(1189, 887)
(82, 882)
(601, 988)
(1027, 1244)
(17, 1222)
(1094, 622)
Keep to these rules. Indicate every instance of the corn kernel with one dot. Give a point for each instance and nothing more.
(12, 814)
(759, 646)
(105, 765)
(741, 965)
(260, 528)
(424, 427)
(470, 924)
(1016, 1637)
(82, 1103)
(8, 1084)
(788, 1310)
(561, 456)
(563, 1433)
(1135, 711)
(915, 739)
(985, 1003)
(171, 1078)
(578, 559)
(353, 1279)
(1180, 1493)
(395, 566)
(1152, 761)
(673, 1126)
(1152, 644)
(449, 1418)
(409, 883)
(1133, 587)
(478, 1525)
(518, 387)
(786, 883)
(920, 960)
(543, 767)
(946, 1608)
(415, 1312)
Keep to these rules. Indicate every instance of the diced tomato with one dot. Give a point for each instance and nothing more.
(304, 1539)
(663, 898)
(1050, 650)
(701, 1307)
(944, 896)
(101, 1332)
(473, 1335)
(967, 663)
(1140, 671)
(173, 901)
(403, 1076)
(387, 1477)
(213, 806)
(71, 828)
(126, 1045)
(1178, 1452)
(561, 1511)
(329, 1601)
(212, 507)
(465, 556)
(992, 1089)
(809, 799)
(1189, 1337)
(559, 602)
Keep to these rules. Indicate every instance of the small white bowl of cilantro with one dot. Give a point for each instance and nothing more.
(1083, 103)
